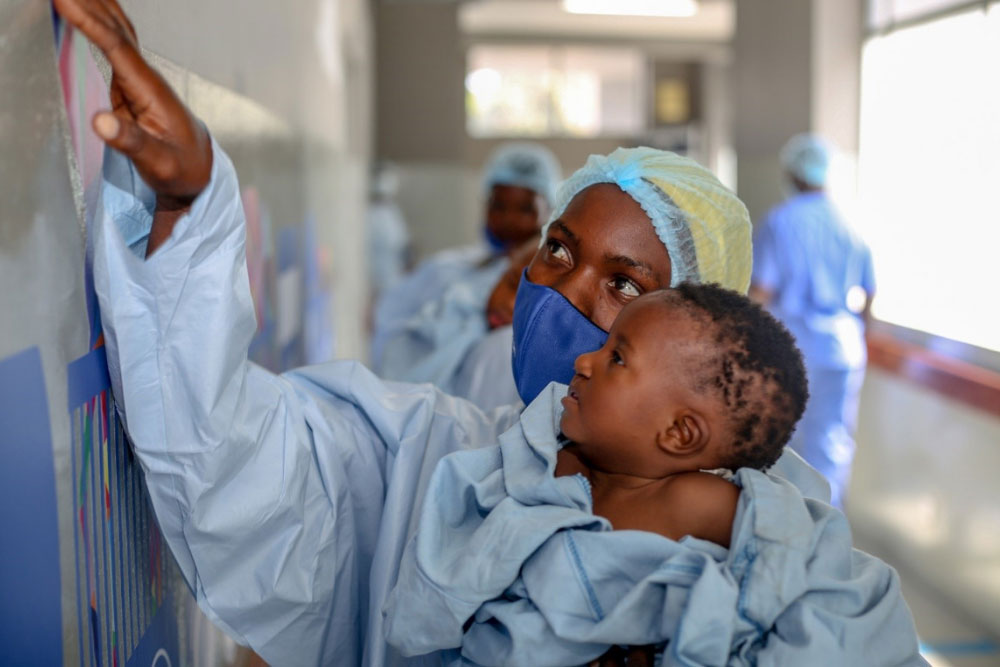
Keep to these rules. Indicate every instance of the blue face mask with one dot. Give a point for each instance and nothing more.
(496, 244)
(549, 334)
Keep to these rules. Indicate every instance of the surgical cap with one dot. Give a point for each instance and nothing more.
(524, 165)
(385, 180)
(807, 158)
(704, 226)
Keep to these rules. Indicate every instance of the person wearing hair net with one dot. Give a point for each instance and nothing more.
(287, 500)
(388, 235)
(815, 274)
(519, 182)
(434, 344)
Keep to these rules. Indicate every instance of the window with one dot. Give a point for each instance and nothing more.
(554, 91)
(929, 171)
(884, 14)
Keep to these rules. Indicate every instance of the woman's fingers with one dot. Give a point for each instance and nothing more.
(113, 8)
(108, 29)
(148, 123)
(90, 18)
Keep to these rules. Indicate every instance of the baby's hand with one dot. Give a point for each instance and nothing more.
(638, 656)
(148, 122)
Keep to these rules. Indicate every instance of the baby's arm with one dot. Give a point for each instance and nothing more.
(699, 504)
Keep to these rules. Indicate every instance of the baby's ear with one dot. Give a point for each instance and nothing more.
(687, 435)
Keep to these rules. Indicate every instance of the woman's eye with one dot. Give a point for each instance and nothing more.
(617, 358)
(626, 286)
(557, 250)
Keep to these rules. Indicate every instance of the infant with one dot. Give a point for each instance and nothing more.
(550, 547)
(692, 379)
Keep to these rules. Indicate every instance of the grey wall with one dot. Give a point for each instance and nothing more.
(796, 68)
(772, 98)
(421, 118)
(421, 70)
(310, 65)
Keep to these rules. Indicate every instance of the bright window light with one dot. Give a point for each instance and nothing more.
(669, 8)
(536, 91)
(929, 169)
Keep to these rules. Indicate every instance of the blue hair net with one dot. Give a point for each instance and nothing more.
(703, 225)
(524, 165)
(807, 158)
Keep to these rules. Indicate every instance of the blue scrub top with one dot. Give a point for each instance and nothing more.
(810, 259)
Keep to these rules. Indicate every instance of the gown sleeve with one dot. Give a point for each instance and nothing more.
(285, 499)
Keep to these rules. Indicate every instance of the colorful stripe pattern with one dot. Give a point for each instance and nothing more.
(121, 569)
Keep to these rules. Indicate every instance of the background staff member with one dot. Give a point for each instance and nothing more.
(807, 263)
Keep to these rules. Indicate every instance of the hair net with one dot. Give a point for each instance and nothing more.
(384, 180)
(525, 165)
(704, 226)
(807, 158)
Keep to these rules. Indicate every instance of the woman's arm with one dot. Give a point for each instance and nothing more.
(285, 500)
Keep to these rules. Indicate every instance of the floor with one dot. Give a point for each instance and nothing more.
(949, 636)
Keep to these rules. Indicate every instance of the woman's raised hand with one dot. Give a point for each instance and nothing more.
(147, 122)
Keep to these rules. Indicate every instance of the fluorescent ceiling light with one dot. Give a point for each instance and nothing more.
(672, 8)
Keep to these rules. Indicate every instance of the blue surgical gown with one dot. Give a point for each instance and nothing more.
(471, 264)
(388, 245)
(810, 260)
(510, 566)
(432, 344)
(486, 376)
(287, 500)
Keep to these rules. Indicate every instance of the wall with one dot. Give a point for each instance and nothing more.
(421, 117)
(308, 64)
(286, 91)
(796, 68)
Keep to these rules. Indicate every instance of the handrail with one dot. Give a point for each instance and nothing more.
(951, 377)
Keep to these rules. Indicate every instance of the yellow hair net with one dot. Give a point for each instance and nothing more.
(704, 226)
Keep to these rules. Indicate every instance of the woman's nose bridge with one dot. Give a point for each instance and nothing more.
(579, 288)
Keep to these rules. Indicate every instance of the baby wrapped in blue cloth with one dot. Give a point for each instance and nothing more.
(601, 525)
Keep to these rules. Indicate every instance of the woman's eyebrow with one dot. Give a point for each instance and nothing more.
(630, 262)
(564, 228)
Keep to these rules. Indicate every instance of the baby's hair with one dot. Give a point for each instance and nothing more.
(755, 367)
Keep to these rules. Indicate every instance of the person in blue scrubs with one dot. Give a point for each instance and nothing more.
(519, 183)
(815, 274)
(287, 500)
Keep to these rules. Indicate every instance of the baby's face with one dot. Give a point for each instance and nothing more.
(628, 392)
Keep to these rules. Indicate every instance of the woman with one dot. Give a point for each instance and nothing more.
(287, 500)
(519, 183)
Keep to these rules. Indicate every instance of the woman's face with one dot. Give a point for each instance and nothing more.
(601, 254)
